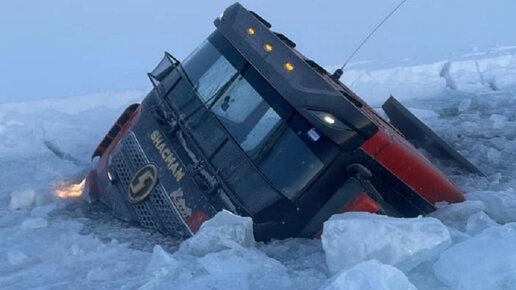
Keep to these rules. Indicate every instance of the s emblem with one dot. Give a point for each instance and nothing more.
(143, 182)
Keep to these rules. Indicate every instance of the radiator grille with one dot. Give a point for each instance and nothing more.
(157, 211)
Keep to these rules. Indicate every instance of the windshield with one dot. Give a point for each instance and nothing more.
(225, 86)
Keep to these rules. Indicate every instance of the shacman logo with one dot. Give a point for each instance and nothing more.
(167, 155)
(143, 182)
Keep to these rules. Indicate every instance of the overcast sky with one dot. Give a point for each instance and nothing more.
(57, 48)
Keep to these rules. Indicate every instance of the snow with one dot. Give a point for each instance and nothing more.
(468, 100)
(351, 238)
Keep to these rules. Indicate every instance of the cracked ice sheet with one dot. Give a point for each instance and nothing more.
(52, 244)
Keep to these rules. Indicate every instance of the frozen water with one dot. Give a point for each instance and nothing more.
(224, 231)
(161, 262)
(35, 223)
(456, 215)
(464, 105)
(370, 275)
(23, 199)
(42, 211)
(351, 238)
(501, 206)
(16, 258)
(498, 120)
(470, 102)
(478, 222)
(486, 261)
(235, 268)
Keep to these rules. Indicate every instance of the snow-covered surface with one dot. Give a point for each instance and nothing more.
(48, 243)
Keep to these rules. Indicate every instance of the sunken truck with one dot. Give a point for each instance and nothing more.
(248, 124)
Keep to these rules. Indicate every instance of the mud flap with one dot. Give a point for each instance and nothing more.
(422, 136)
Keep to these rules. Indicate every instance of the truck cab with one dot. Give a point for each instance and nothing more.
(248, 124)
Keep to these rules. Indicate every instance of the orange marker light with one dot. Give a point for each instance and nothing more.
(288, 66)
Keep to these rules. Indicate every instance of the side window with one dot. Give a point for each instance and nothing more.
(208, 70)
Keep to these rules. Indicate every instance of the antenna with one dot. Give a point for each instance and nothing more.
(338, 73)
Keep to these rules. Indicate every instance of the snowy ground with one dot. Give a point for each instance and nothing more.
(470, 102)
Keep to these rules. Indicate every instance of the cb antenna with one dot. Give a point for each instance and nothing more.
(338, 73)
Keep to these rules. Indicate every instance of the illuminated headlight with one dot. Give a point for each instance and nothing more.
(329, 120)
(221, 15)
(110, 176)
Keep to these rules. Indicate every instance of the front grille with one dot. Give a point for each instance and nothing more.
(155, 212)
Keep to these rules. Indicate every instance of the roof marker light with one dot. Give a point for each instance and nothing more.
(288, 66)
(250, 31)
(268, 47)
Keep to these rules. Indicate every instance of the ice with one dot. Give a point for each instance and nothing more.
(42, 211)
(456, 215)
(161, 262)
(501, 205)
(76, 250)
(224, 231)
(486, 261)
(98, 274)
(351, 238)
(370, 275)
(464, 105)
(493, 155)
(471, 104)
(16, 258)
(498, 120)
(23, 199)
(240, 266)
(253, 268)
(35, 223)
(424, 115)
(478, 222)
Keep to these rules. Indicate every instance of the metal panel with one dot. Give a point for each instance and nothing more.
(422, 136)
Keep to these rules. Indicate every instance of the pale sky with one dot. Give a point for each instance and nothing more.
(58, 48)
